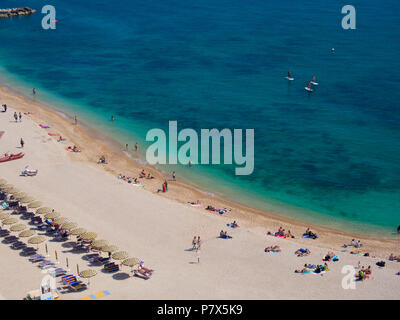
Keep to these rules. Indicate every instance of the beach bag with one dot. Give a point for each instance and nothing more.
(381, 263)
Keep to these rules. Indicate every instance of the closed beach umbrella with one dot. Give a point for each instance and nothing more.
(97, 244)
(52, 215)
(26, 233)
(34, 204)
(18, 227)
(37, 239)
(120, 255)
(87, 274)
(69, 226)
(10, 221)
(88, 236)
(26, 199)
(131, 262)
(78, 231)
(44, 210)
(109, 248)
(4, 215)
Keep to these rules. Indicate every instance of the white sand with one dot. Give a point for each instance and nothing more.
(159, 231)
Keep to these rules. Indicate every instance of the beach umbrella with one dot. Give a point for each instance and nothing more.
(52, 215)
(87, 274)
(97, 244)
(20, 195)
(26, 233)
(18, 227)
(88, 236)
(34, 204)
(10, 221)
(37, 239)
(61, 220)
(69, 225)
(4, 215)
(78, 231)
(109, 249)
(44, 210)
(120, 255)
(26, 199)
(131, 262)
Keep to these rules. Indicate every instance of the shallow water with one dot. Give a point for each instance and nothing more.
(332, 157)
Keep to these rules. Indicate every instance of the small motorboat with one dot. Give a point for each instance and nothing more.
(10, 157)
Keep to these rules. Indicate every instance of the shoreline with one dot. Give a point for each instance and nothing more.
(94, 144)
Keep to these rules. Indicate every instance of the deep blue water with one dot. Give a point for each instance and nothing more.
(332, 157)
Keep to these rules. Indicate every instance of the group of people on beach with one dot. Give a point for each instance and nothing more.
(281, 233)
(17, 116)
(356, 244)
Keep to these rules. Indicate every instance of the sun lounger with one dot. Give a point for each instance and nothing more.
(60, 272)
(46, 264)
(37, 258)
(111, 267)
(29, 251)
(10, 239)
(72, 282)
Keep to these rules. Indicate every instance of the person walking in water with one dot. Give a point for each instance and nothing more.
(136, 146)
(112, 118)
(22, 143)
(34, 91)
(126, 147)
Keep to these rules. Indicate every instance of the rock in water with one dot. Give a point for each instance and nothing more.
(16, 12)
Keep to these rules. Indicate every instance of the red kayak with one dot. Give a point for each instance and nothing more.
(9, 157)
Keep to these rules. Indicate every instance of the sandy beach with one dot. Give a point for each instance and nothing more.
(159, 227)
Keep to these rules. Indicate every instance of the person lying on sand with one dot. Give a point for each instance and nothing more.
(234, 225)
(102, 159)
(147, 271)
(149, 176)
(302, 252)
(394, 258)
(274, 248)
(210, 208)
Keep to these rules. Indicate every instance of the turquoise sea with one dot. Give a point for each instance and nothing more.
(331, 158)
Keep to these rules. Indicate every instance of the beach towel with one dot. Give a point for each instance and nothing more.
(54, 134)
(229, 225)
(307, 236)
(44, 127)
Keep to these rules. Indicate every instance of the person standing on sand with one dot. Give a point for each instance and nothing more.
(126, 147)
(20, 117)
(75, 120)
(198, 243)
(15, 117)
(22, 143)
(166, 185)
(173, 176)
(198, 255)
(194, 243)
